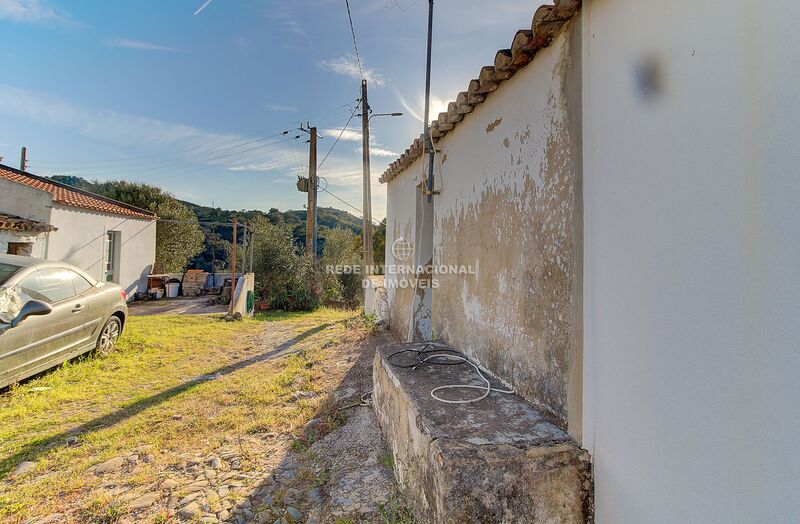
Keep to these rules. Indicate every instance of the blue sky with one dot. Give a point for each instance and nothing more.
(149, 91)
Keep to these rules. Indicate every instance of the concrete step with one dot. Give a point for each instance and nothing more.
(497, 460)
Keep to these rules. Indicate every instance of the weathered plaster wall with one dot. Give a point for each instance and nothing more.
(401, 209)
(508, 174)
(80, 240)
(25, 201)
(39, 241)
(692, 244)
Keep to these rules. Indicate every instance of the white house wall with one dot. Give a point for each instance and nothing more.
(39, 242)
(507, 176)
(401, 223)
(25, 201)
(692, 279)
(80, 241)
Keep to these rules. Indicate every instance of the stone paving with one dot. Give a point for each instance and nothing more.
(335, 474)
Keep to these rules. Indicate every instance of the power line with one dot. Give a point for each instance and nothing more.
(202, 148)
(178, 167)
(338, 137)
(266, 147)
(345, 202)
(355, 44)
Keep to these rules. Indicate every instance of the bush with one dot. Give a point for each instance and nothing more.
(284, 278)
(342, 248)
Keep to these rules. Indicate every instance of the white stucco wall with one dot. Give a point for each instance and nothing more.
(25, 201)
(506, 209)
(401, 209)
(505, 220)
(80, 240)
(39, 241)
(692, 279)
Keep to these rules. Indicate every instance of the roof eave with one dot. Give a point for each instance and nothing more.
(548, 20)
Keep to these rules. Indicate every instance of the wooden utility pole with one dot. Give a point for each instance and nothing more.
(311, 215)
(366, 214)
(244, 249)
(23, 160)
(252, 247)
(233, 269)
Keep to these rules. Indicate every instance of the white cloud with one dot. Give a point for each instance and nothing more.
(343, 176)
(185, 144)
(138, 44)
(348, 66)
(377, 151)
(283, 12)
(30, 11)
(351, 135)
(281, 109)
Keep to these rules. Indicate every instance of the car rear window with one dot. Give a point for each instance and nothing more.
(6, 270)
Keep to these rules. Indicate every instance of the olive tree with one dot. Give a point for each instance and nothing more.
(179, 237)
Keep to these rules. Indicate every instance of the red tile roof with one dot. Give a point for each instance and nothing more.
(70, 196)
(15, 223)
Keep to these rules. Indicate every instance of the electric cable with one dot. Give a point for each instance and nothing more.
(193, 150)
(447, 357)
(340, 135)
(355, 44)
(375, 221)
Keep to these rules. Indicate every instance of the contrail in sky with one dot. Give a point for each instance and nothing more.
(203, 7)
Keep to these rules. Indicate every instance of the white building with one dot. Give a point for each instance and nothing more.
(625, 180)
(110, 240)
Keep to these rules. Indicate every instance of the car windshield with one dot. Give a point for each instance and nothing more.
(6, 270)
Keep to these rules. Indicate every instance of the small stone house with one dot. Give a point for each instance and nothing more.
(110, 240)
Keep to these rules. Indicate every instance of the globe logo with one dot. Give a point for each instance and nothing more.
(402, 249)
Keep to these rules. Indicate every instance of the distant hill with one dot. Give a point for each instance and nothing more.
(327, 217)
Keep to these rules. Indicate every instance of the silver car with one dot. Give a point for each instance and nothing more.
(51, 312)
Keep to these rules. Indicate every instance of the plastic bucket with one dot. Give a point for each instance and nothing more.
(172, 290)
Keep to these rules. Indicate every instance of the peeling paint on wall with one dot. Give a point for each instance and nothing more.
(507, 209)
(492, 126)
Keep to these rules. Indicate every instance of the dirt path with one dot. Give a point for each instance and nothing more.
(275, 433)
(176, 306)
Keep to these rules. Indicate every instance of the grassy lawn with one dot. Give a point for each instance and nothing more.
(178, 386)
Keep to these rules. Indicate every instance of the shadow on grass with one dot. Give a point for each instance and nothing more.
(34, 449)
(318, 498)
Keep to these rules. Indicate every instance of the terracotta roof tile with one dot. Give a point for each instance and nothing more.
(15, 223)
(547, 22)
(73, 197)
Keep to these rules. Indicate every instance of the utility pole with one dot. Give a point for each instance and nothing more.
(233, 268)
(367, 192)
(252, 246)
(311, 215)
(244, 249)
(427, 123)
(23, 161)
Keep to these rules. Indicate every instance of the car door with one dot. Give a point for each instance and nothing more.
(55, 335)
(94, 302)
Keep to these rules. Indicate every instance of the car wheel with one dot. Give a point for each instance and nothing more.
(109, 336)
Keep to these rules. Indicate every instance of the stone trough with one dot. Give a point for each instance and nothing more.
(497, 460)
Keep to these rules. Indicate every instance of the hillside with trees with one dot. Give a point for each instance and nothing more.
(214, 250)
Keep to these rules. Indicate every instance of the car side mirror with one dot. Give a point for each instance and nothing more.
(31, 307)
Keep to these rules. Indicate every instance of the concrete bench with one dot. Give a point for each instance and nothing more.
(497, 460)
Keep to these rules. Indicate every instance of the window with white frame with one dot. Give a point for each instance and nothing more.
(112, 256)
